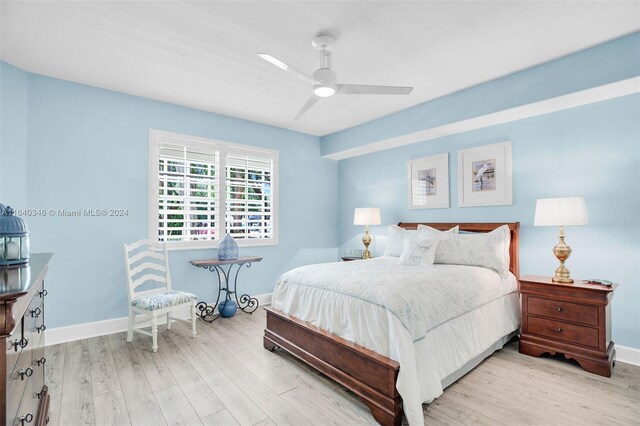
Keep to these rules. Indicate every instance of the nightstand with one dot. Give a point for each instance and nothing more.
(350, 258)
(572, 319)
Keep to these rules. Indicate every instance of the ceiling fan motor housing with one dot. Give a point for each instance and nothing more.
(325, 76)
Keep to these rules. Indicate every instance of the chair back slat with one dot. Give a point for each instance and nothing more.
(149, 277)
(148, 244)
(146, 254)
(148, 265)
(146, 262)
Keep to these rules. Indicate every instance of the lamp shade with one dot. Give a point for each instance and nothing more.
(561, 212)
(366, 216)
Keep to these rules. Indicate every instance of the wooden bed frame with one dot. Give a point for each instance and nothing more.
(369, 375)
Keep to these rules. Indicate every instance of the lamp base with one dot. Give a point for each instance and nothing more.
(562, 275)
(366, 240)
(562, 252)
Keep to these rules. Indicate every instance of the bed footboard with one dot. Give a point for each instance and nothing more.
(371, 376)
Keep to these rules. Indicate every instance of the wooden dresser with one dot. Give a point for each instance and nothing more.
(24, 397)
(571, 319)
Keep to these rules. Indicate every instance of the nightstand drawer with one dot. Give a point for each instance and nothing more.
(557, 330)
(566, 311)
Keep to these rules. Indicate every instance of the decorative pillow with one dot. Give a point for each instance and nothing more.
(427, 232)
(489, 250)
(395, 239)
(418, 252)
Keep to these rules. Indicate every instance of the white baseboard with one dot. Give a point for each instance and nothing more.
(70, 333)
(628, 355)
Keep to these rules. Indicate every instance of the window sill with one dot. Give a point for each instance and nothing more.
(213, 245)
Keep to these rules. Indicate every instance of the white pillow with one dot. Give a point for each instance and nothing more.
(395, 239)
(489, 250)
(427, 232)
(418, 252)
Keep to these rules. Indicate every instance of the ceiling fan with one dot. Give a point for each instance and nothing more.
(324, 80)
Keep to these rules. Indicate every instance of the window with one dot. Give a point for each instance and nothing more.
(201, 189)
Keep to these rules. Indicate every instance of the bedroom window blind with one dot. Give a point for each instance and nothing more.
(201, 190)
(249, 205)
(188, 208)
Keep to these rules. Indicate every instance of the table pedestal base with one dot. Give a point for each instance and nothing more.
(244, 302)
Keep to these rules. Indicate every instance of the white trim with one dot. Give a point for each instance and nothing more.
(156, 136)
(53, 336)
(572, 100)
(627, 355)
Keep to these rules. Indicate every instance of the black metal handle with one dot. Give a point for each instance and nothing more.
(559, 330)
(41, 328)
(559, 309)
(42, 361)
(25, 372)
(36, 312)
(43, 293)
(26, 419)
(21, 343)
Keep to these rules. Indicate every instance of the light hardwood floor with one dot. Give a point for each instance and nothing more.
(225, 377)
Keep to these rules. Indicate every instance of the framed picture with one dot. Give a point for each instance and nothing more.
(428, 179)
(484, 176)
(352, 252)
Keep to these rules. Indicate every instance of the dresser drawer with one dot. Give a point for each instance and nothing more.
(26, 413)
(38, 363)
(34, 329)
(17, 381)
(566, 332)
(565, 311)
(14, 347)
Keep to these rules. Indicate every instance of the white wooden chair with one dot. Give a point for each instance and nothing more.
(147, 262)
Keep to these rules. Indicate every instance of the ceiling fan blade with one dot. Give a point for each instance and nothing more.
(278, 63)
(311, 102)
(363, 89)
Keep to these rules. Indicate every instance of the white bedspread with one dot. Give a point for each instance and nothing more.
(401, 312)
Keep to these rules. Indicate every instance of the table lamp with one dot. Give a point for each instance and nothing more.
(561, 212)
(366, 216)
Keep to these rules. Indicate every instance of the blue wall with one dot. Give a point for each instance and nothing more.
(14, 90)
(88, 148)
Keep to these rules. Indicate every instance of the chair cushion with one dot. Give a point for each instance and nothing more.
(164, 299)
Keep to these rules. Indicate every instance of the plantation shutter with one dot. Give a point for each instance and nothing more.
(249, 195)
(188, 195)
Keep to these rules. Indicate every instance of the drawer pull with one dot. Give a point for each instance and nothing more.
(21, 343)
(42, 361)
(26, 419)
(40, 394)
(25, 372)
(559, 330)
(559, 309)
(41, 328)
(43, 293)
(36, 312)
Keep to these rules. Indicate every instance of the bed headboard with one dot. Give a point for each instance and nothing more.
(514, 227)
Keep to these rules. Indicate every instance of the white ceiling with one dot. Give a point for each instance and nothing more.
(202, 54)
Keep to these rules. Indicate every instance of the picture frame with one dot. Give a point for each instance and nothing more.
(485, 176)
(353, 252)
(428, 180)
